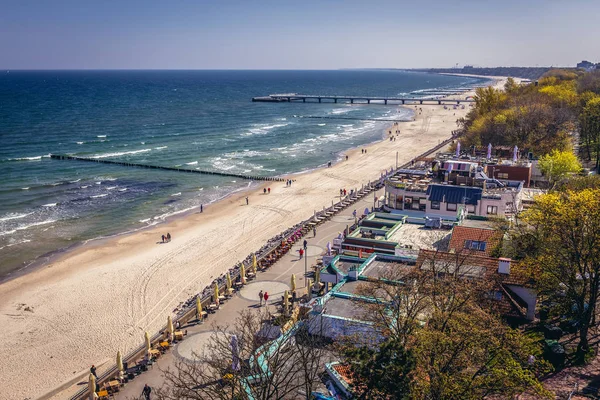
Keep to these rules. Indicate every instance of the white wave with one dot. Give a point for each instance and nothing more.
(8, 217)
(160, 148)
(233, 181)
(23, 227)
(123, 190)
(111, 188)
(16, 243)
(321, 124)
(338, 111)
(101, 136)
(145, 220)
(192, 163)
(35, 158)
(25, 188)
(262, 129)
(176, 194)
(122, 153)
(80, 142)
(201, 189)
(75, 181)
(85, 187)
(99, 195)
(99, 183)
(49, 205)
(142, 142)
(246, 153)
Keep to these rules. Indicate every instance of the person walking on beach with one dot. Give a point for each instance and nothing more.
(266, 297)
(314, 231)
(264, 190)
(146, 392)
(93, 371)
(269, 190)
(201, 208)
(163, 238)
(260, 296)
(168, 237)
(246, 200)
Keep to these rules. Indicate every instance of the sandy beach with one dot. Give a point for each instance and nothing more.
(101, 297)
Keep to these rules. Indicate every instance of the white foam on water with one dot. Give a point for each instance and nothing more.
(34, 158)
(49, 205)
(123, 190)
(12, 216)
(99, 195)
(24, 227)
(160, 148)
(338, 111)
(85, 187)
(145, 220)
(192, 163)
(111, 188)
(321, 124)
(176, 194)
(121, 153)
(75, 181)
(101, 136)
(25, 188)
(80, 142)
(262, 129)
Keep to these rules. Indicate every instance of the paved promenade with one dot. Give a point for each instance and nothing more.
(274, 280)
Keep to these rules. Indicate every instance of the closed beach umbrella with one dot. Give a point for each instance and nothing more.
(228, 276)
(243, 274)
(198, 307)
(293, 282)
(328, 248)
(457, 149)
(308, 284)
(286, 302)
(489, 152)
(92, 385)
(254, 263)
(216, 293)
(318, 275)
(515, 153)
(235, 352)
(119, 362)
(147, 342)
(170, 327)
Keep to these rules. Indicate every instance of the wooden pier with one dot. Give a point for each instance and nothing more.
(308, 98)
(176, 169)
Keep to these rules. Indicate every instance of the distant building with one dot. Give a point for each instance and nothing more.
(586, 65)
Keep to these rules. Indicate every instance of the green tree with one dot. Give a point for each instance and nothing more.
(558, 164)
(567, 263)
(380, 373)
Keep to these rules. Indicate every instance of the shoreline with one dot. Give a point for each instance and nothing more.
(56, 255)
(98, 298)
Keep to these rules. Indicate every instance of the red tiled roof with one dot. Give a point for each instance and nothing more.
(344, 371)
(460, 234)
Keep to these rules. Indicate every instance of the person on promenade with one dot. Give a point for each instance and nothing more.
(146, 392)
(301, 251)
(354, 213)
(305, 244)
(266, 297)
(314, 231)
(260, 296)
(177, 325)
(246, 200)
(93, 371)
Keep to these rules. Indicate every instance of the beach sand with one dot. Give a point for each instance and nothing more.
(99, 298)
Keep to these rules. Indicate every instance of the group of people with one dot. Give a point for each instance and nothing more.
(363, 151)
(145, 392)
(266, 190)
(166, 238)
(343, 192)
(288, 182)
(263, 296)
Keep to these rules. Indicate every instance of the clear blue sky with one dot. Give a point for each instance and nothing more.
(302, 34)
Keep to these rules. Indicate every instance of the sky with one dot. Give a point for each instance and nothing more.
(302, 34)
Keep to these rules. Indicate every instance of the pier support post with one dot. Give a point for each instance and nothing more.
(319, 99)
(335, 100)
(351, 101)
(385, 101)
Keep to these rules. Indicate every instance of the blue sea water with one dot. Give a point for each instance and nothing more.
(193, 119)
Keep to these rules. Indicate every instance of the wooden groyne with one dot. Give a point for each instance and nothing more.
(176, 169)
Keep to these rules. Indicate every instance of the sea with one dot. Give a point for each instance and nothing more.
(190, 119)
